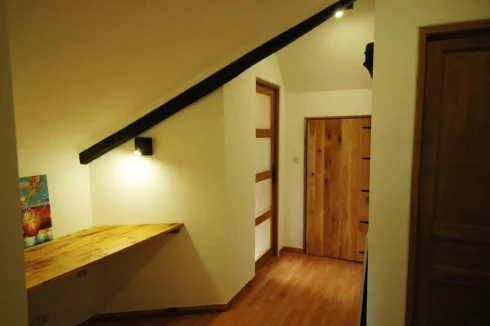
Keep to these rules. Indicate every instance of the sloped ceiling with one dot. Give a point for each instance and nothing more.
(331, 56)
(83, 69)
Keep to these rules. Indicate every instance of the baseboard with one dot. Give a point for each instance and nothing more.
(263, 260)
(237, 296)
(131, 315)
(292, 249)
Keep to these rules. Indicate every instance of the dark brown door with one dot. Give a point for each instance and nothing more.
(337, 187)
(451, 202)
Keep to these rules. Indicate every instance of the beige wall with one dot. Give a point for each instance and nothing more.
(71, 211)
(396, 38)
(68, 183)
(182, 182)
(119, 59)
(330, 57)
(239, 180)
(67, 301)
(201, 174)
(13, 305)
(299, 106)
(239, 97)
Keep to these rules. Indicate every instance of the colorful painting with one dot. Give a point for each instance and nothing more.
(36, 211)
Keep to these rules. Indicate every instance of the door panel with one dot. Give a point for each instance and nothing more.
(458, 305)
(262, 238)
(263, 114)
(363, 206)
(452, 273)
(364, 166)
(337, 169)
(263, 154)
(265, 107)
(263, 197)
(361, 240)
(315, 187)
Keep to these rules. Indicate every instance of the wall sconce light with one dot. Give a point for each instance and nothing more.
(339, 14)
(143, 146)
(369, 54)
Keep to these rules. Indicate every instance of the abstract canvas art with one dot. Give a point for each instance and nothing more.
(36, 211)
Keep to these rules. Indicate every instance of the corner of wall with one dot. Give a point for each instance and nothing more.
(299, 107)
(13, 304)
(182, 182)
(239, 97)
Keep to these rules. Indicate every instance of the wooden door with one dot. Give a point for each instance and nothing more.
(265, 112)
(337, 187)
(450, 235)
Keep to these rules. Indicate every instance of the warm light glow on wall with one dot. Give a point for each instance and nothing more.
(135, 170)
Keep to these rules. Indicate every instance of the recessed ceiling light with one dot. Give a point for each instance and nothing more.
(339, 14)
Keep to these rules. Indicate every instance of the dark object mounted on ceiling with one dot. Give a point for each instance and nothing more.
(369, 58)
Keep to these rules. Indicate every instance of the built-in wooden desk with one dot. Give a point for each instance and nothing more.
(54, 259)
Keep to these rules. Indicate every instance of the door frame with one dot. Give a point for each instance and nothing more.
(424, 34)
(274, 251)
(305, 172)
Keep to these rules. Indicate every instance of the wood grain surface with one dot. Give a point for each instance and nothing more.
(295, 289)
(337, 169)
(70, 253)
(364, 181)
(449, 269)
(314, 197)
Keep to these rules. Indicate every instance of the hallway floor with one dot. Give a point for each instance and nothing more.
(294, 289)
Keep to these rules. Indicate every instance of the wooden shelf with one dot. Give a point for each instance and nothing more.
(54, 259)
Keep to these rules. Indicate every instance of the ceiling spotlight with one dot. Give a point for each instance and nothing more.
(339, 14)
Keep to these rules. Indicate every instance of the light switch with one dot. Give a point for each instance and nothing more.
(296, 159)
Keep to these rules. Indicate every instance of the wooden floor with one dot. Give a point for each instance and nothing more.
(294, 289)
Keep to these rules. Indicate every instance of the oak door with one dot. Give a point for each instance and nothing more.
(337, 187)
(265, 111)
(450, 239)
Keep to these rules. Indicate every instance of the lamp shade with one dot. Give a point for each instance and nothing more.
(143, 146)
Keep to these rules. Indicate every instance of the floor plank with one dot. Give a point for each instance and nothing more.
(295, 289)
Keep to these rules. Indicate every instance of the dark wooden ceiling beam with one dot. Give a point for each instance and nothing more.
(210, 84)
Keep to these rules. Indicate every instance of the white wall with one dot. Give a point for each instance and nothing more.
(239, 97)
(182, 182)
(299, 106)
(330, 57)
(68, 185)
(394, 92)
(13, 304)
(240, 179)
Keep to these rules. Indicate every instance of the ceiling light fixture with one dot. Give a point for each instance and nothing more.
(339, 14)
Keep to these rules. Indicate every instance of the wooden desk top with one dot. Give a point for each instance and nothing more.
(54, 259)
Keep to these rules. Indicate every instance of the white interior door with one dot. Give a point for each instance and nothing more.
(264, 112)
